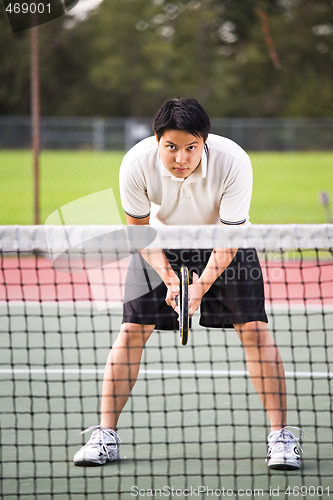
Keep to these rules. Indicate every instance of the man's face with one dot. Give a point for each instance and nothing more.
(180, 152)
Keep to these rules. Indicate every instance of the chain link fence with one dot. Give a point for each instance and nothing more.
(103, 134)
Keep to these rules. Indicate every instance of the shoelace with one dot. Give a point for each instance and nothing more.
(283, 437)
(102, 436)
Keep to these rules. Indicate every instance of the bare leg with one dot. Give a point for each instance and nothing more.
(266, 370)
(121, 370)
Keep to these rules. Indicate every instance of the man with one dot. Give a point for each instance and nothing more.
(184, 175)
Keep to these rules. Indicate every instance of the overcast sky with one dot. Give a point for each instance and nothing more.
(83, 6)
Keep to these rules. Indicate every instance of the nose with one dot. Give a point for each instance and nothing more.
(181, 157)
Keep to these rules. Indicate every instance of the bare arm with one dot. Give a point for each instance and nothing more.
(218, 261)
(156, 258)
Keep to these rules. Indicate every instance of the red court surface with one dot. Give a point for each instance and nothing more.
(34, 279)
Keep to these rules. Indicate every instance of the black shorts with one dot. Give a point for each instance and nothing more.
(237, 296)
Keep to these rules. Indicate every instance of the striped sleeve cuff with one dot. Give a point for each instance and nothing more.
(137, 216)
(236, 223)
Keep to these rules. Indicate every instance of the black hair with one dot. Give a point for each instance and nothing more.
(184, 114)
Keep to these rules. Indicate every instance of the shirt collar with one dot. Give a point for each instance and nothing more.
(199, 173)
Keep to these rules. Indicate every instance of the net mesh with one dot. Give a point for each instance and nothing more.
(194, 424)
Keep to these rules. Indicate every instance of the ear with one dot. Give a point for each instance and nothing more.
(156, 137)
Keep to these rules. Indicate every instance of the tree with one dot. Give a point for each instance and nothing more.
(249, 58)
(14, 69)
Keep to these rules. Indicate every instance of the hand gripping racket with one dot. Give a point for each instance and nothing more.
(183, 298)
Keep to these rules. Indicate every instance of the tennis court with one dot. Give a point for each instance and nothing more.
(193, 419)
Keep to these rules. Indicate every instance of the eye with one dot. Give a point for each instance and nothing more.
(191, 148)
(171, 147)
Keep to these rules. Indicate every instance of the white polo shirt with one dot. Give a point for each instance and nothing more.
(219, 189)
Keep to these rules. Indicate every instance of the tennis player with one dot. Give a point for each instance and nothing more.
(184, 175)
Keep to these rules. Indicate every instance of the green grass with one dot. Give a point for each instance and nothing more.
(65, 176)
(286, 186)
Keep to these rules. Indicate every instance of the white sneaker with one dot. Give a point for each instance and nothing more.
(102, 447)
(284, 450)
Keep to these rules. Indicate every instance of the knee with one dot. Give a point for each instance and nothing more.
(254, 333)
(134, 335)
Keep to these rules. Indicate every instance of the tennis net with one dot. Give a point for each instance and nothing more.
(194, 424)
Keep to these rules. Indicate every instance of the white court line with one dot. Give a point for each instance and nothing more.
(278, 306)
(161, 372)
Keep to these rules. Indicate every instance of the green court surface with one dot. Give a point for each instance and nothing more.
(193, 419)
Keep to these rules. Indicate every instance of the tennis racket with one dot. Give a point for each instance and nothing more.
(183, 298)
